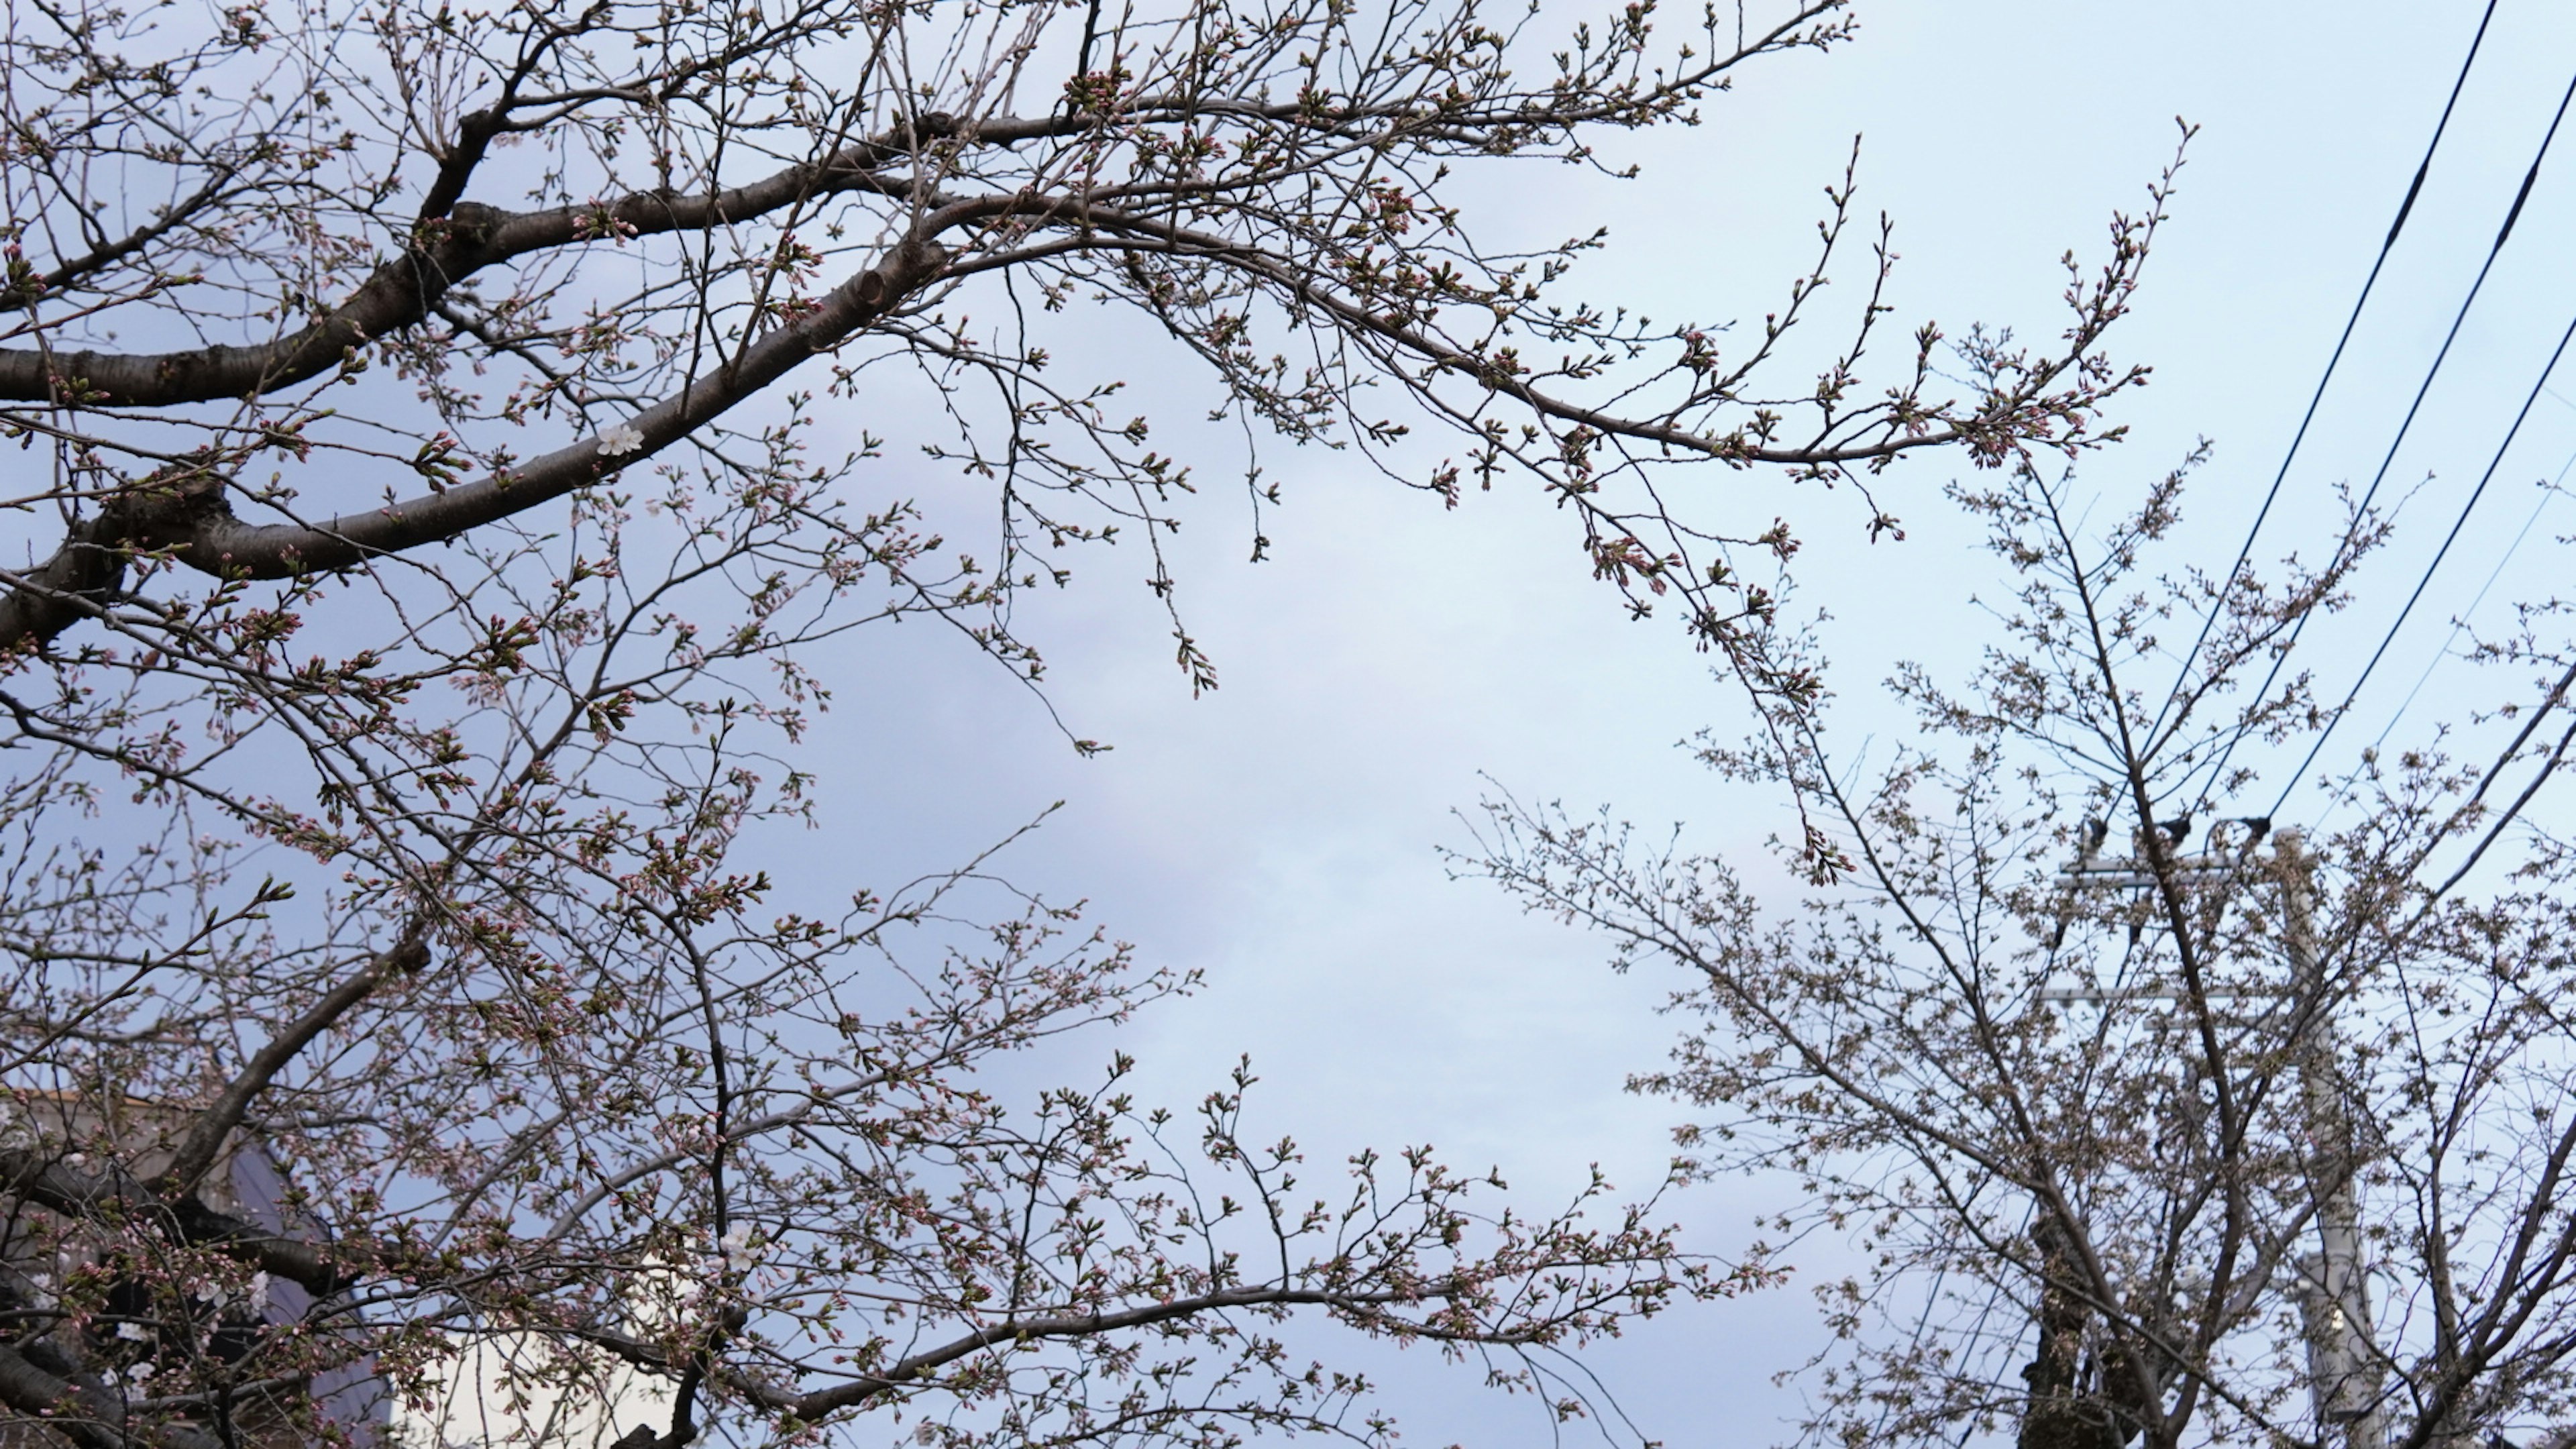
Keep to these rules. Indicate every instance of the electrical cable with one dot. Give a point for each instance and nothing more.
(2340, 711)
(2462, 622)
(2549, 494)
(2281, 656)
(2404, 209)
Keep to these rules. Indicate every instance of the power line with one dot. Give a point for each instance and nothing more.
(2281, 656)
(2404, 209)
(2439, 554)
(2461, 623)
(2549, 494)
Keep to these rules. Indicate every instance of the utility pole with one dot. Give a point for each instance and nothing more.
(2345, 1368)
(2343, 1362)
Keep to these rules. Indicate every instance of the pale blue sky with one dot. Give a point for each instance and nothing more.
(1280, 833)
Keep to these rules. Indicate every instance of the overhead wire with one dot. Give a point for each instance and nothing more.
(2462, 622)
(2405, 209)
(2549, 494)
(2340, 711)
(2388, 459)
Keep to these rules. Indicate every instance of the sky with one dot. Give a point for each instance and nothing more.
(1396, 662)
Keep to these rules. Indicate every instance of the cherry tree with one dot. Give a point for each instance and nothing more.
(2154, 1119)
(473, 443)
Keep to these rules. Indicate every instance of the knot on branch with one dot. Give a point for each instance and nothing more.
(162, 512)
(444, 249)
(471, 223)
(915, 261)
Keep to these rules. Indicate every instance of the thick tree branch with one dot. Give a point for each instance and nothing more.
(190, 520)
(40, 1178)
(85, 1416)
(457, 238)
(205, 1137)
(443, 253)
